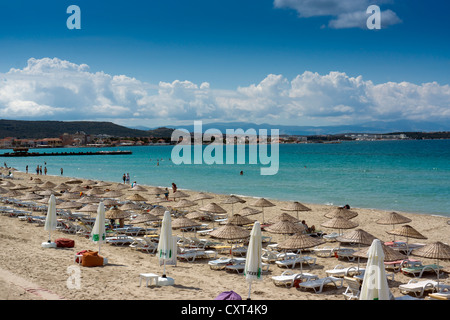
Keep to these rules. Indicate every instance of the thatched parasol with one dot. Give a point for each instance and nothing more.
(284, 216)
(49, 192)
(158, 211)
(115, 213)
(87, 199)
(212, 207)
(138, 188)
(110, 202)
(408, 232)
(183, 223)
(48, 185)
(74, 181)
(263, 203)
(31, 196)
(130, 206)
(95, 192)
(8, 184)
(295, 206)
(389, 253)
(239, 220)
(357, 236)
(285, 227)
(70, 196)
(339, 223)
(202, 196)
(88, 183)
(89, 208)
(36, 181)
(102, 184)
(342, 213)
(184, 203)
(136, 197)
(156, 191)
(179, 194)
(14, 194)
(112, 194)
(393, 218)
(230, 232)
(69, 205)
(299, 242)
(144, 217)
(248, 211)
(19, 187)
(200, 215)
(61, 186)
(77, 188)
(3, 190)
(232, 199)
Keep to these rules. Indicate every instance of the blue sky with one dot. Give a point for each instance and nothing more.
(228, 45)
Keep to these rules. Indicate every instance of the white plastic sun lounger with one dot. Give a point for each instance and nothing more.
(318, 284)
(419, 287)
(288, 277)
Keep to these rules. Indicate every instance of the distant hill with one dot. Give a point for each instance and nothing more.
(377, 127)
(53, 129)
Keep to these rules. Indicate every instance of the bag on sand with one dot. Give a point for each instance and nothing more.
(65, 243)
(91, 259)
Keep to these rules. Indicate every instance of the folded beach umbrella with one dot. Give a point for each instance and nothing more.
(98, 234)
(253, 262)
(435, 250)
(374, 285)
(295, 206)
(342, 213)
(263, 203)
(166, 248)
(50, 221)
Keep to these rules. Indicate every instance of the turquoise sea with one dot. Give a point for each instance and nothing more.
(410, 176)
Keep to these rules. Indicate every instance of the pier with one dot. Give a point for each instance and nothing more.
(23, 152)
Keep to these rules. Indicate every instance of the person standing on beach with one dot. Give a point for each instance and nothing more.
(40, 170)
(128, 178)
(37, 169)
(166, 194)
(45, 170)
(26, 169)
(174, 187)
(124, 178)
(62, 171)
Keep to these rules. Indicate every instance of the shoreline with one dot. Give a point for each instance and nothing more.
(119, 279)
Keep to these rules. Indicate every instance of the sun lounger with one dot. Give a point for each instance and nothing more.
(291, 260)
(353, 288)
(120, 240)
(239, 267)
(287, 278)
(396, 265)
(331, 236)
(418, 287)
(221, 263)
(341, 271)
(144, 244)
(318, 284)
(418, 270)
(325, 252)
(439, 296)
(345, 253)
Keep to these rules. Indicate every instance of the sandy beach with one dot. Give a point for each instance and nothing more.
(30, 272)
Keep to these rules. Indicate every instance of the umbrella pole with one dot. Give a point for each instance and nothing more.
(164, 270)
(249, 290)
(49, 236)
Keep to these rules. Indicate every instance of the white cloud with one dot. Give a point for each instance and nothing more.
(54, 89)
(343, 13)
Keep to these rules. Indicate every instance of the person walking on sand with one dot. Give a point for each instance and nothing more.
(166, 194)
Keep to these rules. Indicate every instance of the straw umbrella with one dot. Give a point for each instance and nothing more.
(69, 205)
(295, 206)
(91, 207)
(341, 212)
(357, 236)
(158, 211)
(166, 247)
(102, 184)
(239, 220)
(285, 227)
(61, 186)
(213, 208)
(14, 194)
(230, 232)
(200, 215)
(98, 233)
(184, 223)
(36, 181)
(77, 188)
(408, 232)
(179, 194)
(202, 196)
(374, 285)
(393, 218)
(284, 216)
(36, 188)
(48, 185)
(95, 192)
(156, 191)
(184, 203)
(435, 250)
(339, 223)
(300, 241)
(111, 194)
(136, 197)
(253, 261)
(389, 253)
(19, 187)
(137, 188)
(248, 211)
(232, 200)
(48, 192)
(263, 203)
(130, 206)
(31, 196)
(87, 199)
(70, 196)
(74, 181)
(50, 221)
(116, 213)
